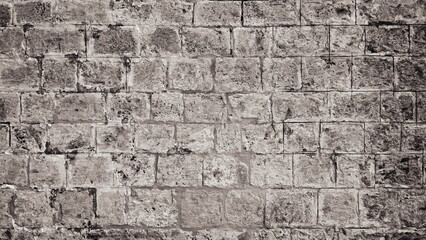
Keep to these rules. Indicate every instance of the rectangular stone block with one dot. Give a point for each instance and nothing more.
(410, 73)
(30, 138)
(19, 75)
(421, 106)
(37, 108)
(205, 108)
(195, 138)
(202, 208)
(160, 41)
(147, 75)
(180, 171)
(136, 170)
(271, 13)
(398, 107)
(418, 39)
(167, 107)
(294, 107)
(155, 138)
(189, 74)
(398, 11)
(413, 137)
(6, 199)
(80, 107)
(6, 14)
(244, 208)
(104, 75)
(68, 138)
(222, 13)
(122, 12)
(237, 74)
(301, 137)
(32, 209)
(251, 42)
(11, 39)
(342, 137)
(33, 11)
(9, 107)
(73, 208)
(113, 41)
(387, 39)
(110, 206)
(47, 171)
(281, 74)
(324, 73)
(286, 208)
(347, 40)
(412, 212)
(223, 171)
(271, 171)
(355, 106)
(228, 138)
(253, 107)
(15, 169)
(59, 74)
(4, 137)
(313, 170)
(301, 234)
(384, 137)
(373, 73)
(378, 208)
(301, 41)
(82, 11)
(355, 171)
(262, 138)
(173, 12)
(127, 108)
(114, 138)
(338, 207)
(90, 170)
(330, 12)
(61, 40)
(206, 41)
(399, 170)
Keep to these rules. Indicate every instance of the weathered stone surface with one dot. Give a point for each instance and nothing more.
(205, 108)
(421, 106)
(81, 11)
(355, 171)
(244, 208)
(301, 137)
(15, 169)
(382, 137)
(412, 208)
(398, 107)
(174, 12)
(313, 170)
(235, 75)
(190, 74)
(342, 137)
(11, 39)
(218, 233)
(134, 169)
(295, 107)
(4, 137)
(263, 138)
(413, 137)
(224, 171)
(338, 207)
(252, 41)
(228, 138)
(180, 171)
(271, 171)
(6, 199)
(202, 208)
(397, 11)
(28, 138)
(113, 40)
(147, 75)
(270, 13)
(73, 208)
(355, 234)
(91, 171)
(373, 73)
(387, 39)
(301, 234)
(127, 108)
(155, 138)
(281, 74)
(196, 138)
(9, 107)
(47, 171)
(347, 40)
(167, 107)
(101, 75)
(64, 138)
(332, 12)
(160, 41)
(378, 208)
(273, 234)
(110, 206)
(418, 39)
(400, 170)
(19, 75)
(59, 74)
(255, 107)
(80, 107)
(410, 73)
(37, 108)
(114, 138)
(6, 14)
(206, 41)
(32, 209)
(301, 41)
(33, 11)
(290, 208)
(320, 73)
(355, 106)
(222, 13)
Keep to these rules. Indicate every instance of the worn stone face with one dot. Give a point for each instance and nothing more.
(28, 138)
(205, 108)
(15, 170)
(91, 170)
(412, 208)
(223, 171)
(381, 11)
(301, 41)
(338, 207)
(252, 41)
(47, 171)
(59, 74)
(196, 138)
(313, 170)
(274, 171)
(264, 138)
(5, 19)
(155, 138)
(180, 171)
(4, 137)
(347, 40)
(9, 107)
(134, 169)
(413, 138)
(11, 39)
(382, 137)
(342, 137)
(418, 39)
(167, 107)
(270, 13)
(226, 13)
(191, 74)
(20, 75)
(379, 208)
(245, 208)
(373, 73)
(387, 39)
(33, 11)
(157, 41)
(333, 12)
(361, 106)
(255, 107)
(81, 11)
(421, 107)
(202, 208)
(32, 209)
(326, 73)
(64, 138)
(300, 234)
(281, 74)
(402, 170)
(110, 207)
(127, 108)
(398, 107)
(355, 171)
(410, 73)
(147, 75)
(114, 139)
(234, 75)
(290, 208)
(228, 138)
(73, 208)
(174, 12)
(6, 198)
(206, 41)
(301, 137)
(80, 107)
(113, 41)
(37, 108)
(108, 76)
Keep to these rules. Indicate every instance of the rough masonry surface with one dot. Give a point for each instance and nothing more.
(212, 119)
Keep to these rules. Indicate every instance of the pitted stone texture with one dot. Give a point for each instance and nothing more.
(15, 170)
(37, 108)
(355, 171)
(222, 13)
(237, 74)
(167, 107)
(80, 107)
(301, 41)
(338, 207)
(148, 75)
(379, 208)
(6, 14)
(205, 108)
(401, 170)
(81, 11)
(263, 138)
(190, 74)
(113, 40)
(382, 137)
(373, 73)
(271, 13)
(28, 138)
(127, 108)
(281, 74)
(110, 206)
(91, 170)
(334, 12)
(202, 208)
(9, 107)
(154, 138)
(206, 41)
(387, 39)
(290, 208)
(413, 137)
(347, 40)
(398, 107)
(228, 138)
(134, 169)
(252, 41)
(244, 208)
(4, 137)
(421, 106)
(342, 137)
(47, 171)
(19, 75)
(196, 138)
(355, 106)
(11, 40)
(65, 138)
(301, 137)
(313, 170)
(224, 171)
(255, 107)
(272, 171)
(410, 73)
(180, 171)
(412, 211)
(418, 39)
(114, 138)
(101, 75)
(160, 41)
(326, 73)
(301, 234)
(59, 74)
(6, 199)
(73, 208)
(32, 209)
(33, 11)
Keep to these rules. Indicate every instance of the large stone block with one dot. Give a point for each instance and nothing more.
(202, 208)
(271, 13)
(90, 170)
(222, 13)
(338, 207)
(15, 169)
(314, 170)
(244, 208)
(136, 170)
(271, 171)
(155, 138)
(355, 106)
(356, 171)
(189, 74)
(334, 12)
(342, 137)
(180, 171)
(32, 209)
(206, 41)
(301, 41)
(263, 138)
(223, 171)
(301, 137)
(237, 74)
